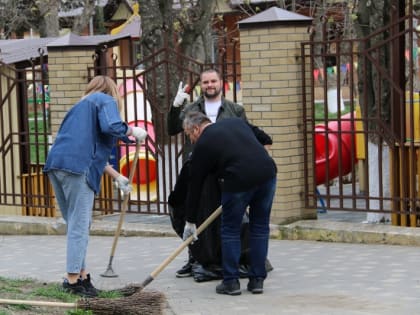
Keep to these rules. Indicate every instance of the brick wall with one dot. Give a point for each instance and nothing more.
(271, 76)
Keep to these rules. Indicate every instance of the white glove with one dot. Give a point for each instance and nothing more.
(124, 184)
(139, 133)
(190, 229)
(181, 96)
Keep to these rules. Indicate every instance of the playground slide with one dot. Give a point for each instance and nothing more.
(327, 153)
(144, 180)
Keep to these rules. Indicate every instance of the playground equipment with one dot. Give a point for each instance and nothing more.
(144, 180)
(132, 91)
(327, 149)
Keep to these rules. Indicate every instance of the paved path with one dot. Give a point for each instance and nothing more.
(309, 278)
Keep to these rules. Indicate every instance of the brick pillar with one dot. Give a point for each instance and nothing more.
(68, 78)
(271, 89)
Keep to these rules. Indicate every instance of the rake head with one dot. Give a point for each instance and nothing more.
(109, 273)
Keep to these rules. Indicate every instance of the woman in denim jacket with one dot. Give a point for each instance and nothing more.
(75, 164)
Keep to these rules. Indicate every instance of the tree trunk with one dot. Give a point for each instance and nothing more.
(373, 15)
(196, 36)
(186, 30)
(374, 186)
(82, 21)
(157, 32)
(49, 25)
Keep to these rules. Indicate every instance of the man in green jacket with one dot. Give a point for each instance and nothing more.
(211, 102)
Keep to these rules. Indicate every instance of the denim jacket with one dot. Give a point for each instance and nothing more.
(86, 137)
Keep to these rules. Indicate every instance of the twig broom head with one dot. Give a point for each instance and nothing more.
(139, 303)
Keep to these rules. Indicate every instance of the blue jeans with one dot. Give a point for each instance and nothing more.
(259, 199)
(75, 199)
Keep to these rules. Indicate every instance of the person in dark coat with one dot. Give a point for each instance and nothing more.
(229, 150)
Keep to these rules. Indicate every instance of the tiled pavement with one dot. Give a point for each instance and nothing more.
(314, 278)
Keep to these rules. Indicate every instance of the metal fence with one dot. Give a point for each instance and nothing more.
(25, 135)
(361, 122)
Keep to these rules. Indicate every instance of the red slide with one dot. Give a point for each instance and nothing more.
(327, 153)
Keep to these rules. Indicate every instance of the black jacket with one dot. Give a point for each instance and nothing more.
(229, 151)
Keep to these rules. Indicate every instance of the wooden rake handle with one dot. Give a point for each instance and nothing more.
(182, 246)
(37, 303)
(126, 198)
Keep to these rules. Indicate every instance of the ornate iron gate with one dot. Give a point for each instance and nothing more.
(25, 138)
(146, 89)
(25, 134)
(361, 121)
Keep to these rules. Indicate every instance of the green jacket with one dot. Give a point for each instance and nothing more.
(228, 109)
(176, 115)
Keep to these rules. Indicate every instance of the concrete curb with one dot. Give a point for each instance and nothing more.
(311, 230)
(346, 232)
(25, 225)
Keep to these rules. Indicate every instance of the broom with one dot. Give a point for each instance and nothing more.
(140, 303)
(135, 288)
(109, 272)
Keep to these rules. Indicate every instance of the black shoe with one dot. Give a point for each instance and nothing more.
(255, 285)
(76, 288)
(230, 288)
(89, 286)
(185, 271)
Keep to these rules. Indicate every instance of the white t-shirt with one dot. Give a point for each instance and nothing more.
(212, 108)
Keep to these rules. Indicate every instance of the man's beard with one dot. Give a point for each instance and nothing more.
(212, 95)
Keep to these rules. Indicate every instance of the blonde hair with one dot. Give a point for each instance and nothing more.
(104, 84)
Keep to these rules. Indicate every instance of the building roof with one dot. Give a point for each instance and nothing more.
(74, 40)
(275, 15)
(132, 26)
(18, 50)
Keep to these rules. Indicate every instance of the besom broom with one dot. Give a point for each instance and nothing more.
(140, 303)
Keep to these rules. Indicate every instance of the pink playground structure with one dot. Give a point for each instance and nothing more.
(144, 180)
(327, 141)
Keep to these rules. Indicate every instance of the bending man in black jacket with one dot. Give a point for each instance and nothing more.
(247, 176)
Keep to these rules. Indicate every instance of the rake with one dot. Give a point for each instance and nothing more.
(109, 272)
